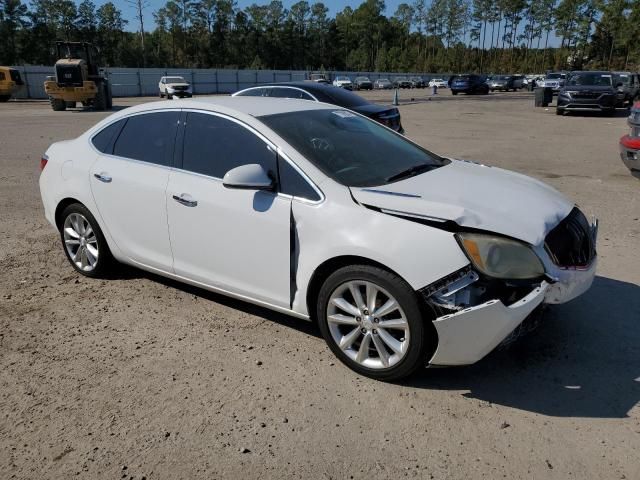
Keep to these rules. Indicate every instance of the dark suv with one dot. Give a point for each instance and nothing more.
(629, 91)
(588, 91)
(469, 84)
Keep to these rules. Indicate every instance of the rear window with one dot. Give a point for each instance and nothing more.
(340, 96)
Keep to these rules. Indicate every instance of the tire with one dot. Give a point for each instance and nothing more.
(100, 100)
(161, 95)
(395, 363)
(4, 98)
(57, 104)
(74, 223)
(453, 92)
(70, 104)
(559, 112)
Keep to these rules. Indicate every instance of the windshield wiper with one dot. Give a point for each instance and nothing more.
(411, 172)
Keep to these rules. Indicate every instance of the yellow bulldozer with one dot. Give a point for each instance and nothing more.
(78, 78)
(10, 82)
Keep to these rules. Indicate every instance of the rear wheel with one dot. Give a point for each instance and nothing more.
(4, 98)
(453, 92)
(372, 322)
(83, 242)
(57, 104)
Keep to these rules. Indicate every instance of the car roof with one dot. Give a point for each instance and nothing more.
(254, 106)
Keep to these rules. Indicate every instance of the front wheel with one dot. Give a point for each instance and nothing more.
(83, 242)
(372, 321)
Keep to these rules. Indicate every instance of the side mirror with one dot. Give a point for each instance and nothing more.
(248, 177)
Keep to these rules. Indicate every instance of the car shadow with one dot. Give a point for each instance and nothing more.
(583, 361)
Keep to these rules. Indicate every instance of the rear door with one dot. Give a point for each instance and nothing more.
(129, 180)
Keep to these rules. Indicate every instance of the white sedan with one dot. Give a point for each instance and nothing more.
(343, 82)
(437, 82)
(403, 257)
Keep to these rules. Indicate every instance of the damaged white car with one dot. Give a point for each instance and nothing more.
(403, 257)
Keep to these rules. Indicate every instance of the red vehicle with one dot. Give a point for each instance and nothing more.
(630, 144)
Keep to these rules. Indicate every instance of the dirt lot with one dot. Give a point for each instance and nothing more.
(142, 377)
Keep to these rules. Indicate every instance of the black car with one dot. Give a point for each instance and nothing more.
(362, 83)
(318, 92)
(588, 91)
(417, 82)
(629, 91)
(400, 82)
(469, 84)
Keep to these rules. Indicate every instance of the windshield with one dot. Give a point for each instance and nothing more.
(502, 77)
(175, 80)
(352, 150)
(342, 79)
(590, 79)
(362, 79)
(555, 76)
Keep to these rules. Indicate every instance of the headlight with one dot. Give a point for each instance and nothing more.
(501, 257)
(169, 89)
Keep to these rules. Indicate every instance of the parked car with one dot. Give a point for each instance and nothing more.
(469, 84)
(362, 83)
(628, 84)
(382, 84)
(506, 82)
(386, 115)
(10, 83)
(555, 81)
(318, 77)
(630, 144)
(437, 82)
(343, 82)
(402, 257)
(588, 91)
(417, 82)
(175, 86)
(401, 82)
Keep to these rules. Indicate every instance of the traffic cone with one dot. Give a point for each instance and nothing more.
(395, 98)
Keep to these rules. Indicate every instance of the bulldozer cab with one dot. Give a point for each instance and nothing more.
(73, 51)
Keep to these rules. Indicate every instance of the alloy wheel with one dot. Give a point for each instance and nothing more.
(81, 242)
(367, 323)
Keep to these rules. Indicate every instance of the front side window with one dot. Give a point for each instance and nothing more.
(148, 137)
(351, 149)
(292, 183)
(214, 145)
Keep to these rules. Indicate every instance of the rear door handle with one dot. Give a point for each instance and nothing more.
(186, 200)
(103, 177)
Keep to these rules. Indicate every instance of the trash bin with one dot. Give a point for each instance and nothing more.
(531, 85)
(543, 96)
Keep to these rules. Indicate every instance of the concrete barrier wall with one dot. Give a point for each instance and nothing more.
(136, 82)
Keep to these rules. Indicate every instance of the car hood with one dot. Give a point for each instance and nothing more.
(178, 84)
(475, 196)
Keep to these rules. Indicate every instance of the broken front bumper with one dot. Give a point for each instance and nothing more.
(466, 336)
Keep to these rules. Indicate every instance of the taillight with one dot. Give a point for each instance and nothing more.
(43, 162)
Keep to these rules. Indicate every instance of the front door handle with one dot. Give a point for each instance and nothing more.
(103, 177)
(186, 200)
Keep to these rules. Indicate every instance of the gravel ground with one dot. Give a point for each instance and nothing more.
(141, 377)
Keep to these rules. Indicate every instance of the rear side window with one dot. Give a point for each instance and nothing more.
(253, 92)
(292, 183)
(148, 137)
(280, 92)
(103, 139)
(15, 76)
(214, 145)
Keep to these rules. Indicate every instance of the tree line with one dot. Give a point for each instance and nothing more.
(423, 36)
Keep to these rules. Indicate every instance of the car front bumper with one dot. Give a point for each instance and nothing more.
(466, 336)
(179, 94)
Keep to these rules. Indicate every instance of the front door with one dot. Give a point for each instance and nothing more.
(234, 240)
